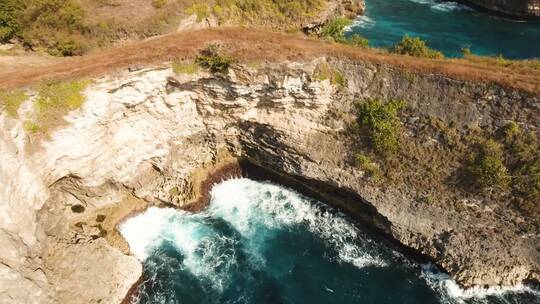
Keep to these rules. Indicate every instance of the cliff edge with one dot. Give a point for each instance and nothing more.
(519, 9)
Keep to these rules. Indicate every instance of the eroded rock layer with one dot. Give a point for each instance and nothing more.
(150, 137)
(522, 9)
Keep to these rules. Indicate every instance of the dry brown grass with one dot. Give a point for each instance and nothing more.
(255, 45)
(129, 11)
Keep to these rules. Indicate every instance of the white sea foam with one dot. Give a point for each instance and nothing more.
(144, 230)
(445, 6)
(251, 208)
(363, 22)
(448, 6)
(452, 293)
(250, 205)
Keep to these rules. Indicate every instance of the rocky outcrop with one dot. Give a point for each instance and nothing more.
(520, 9)
(338, 8)
(142, 137)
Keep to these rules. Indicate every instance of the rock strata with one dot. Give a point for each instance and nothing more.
(520, 9)
(150, 137)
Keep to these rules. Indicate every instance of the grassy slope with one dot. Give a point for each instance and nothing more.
(259, 44)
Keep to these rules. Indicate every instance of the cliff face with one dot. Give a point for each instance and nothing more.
(145, 137)
(522, 9)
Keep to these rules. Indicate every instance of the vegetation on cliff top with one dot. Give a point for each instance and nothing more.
(12, 100)
(325, 71)
(380, 123)
(53, 101)
(335, 30)
(212, 59)
(414, 46)
(500, 167)
(66, 27)
(279, 12)
(183, 67)
(56, 25)
(487, 167)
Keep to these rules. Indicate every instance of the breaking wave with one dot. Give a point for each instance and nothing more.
(363, 22)
(444, 6)
(451, 293)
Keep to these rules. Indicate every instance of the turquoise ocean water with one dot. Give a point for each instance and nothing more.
(448, 26)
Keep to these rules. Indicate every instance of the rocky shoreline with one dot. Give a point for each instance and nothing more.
(152, 137)
(519, 10)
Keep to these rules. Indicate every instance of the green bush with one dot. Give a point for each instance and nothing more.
(466, 51)
(201, 10)
(211, 58)
(56, 25)
(522, 151)
(55, 99)
(12, 100)
(335, 29)
(415, 47)
(60, 95)
(31, 127)
(367, 165)
(381, 124)
(487, 167)
(66, 47)
(356, 40)
(324, 71)
(10, 12)
(180, 67)
(527, 179)
(157, 4)
(281, 13)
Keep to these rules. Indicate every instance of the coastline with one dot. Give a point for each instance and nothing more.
(242, 167)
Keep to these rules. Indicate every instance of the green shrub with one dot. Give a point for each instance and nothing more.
(10, 13)
(415, 47)
(466, 51)
(12, 100)
(180, 67)
(527, 178)
(523, 159)
(201, 10)
(324, 71)
(295, 8)
(157, 4)
(31, 127)
(521, 146)
(60, 95)
(55, 99)
(56, 25)
(335, 29)
(66, 47)
(381, 124)
(356, 40)
(280, 13)
(211, 58)
(487, 167)
(367, 165)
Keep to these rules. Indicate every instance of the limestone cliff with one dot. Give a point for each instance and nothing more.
(142, 137)
(521, 9)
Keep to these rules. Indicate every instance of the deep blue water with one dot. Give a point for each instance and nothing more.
(448, 26)
(261, 243)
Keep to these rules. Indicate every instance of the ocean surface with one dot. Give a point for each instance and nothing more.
(262, 243)
(447, 26)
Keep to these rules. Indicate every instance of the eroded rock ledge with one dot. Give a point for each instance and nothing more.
(518, 9)
(150, 137)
